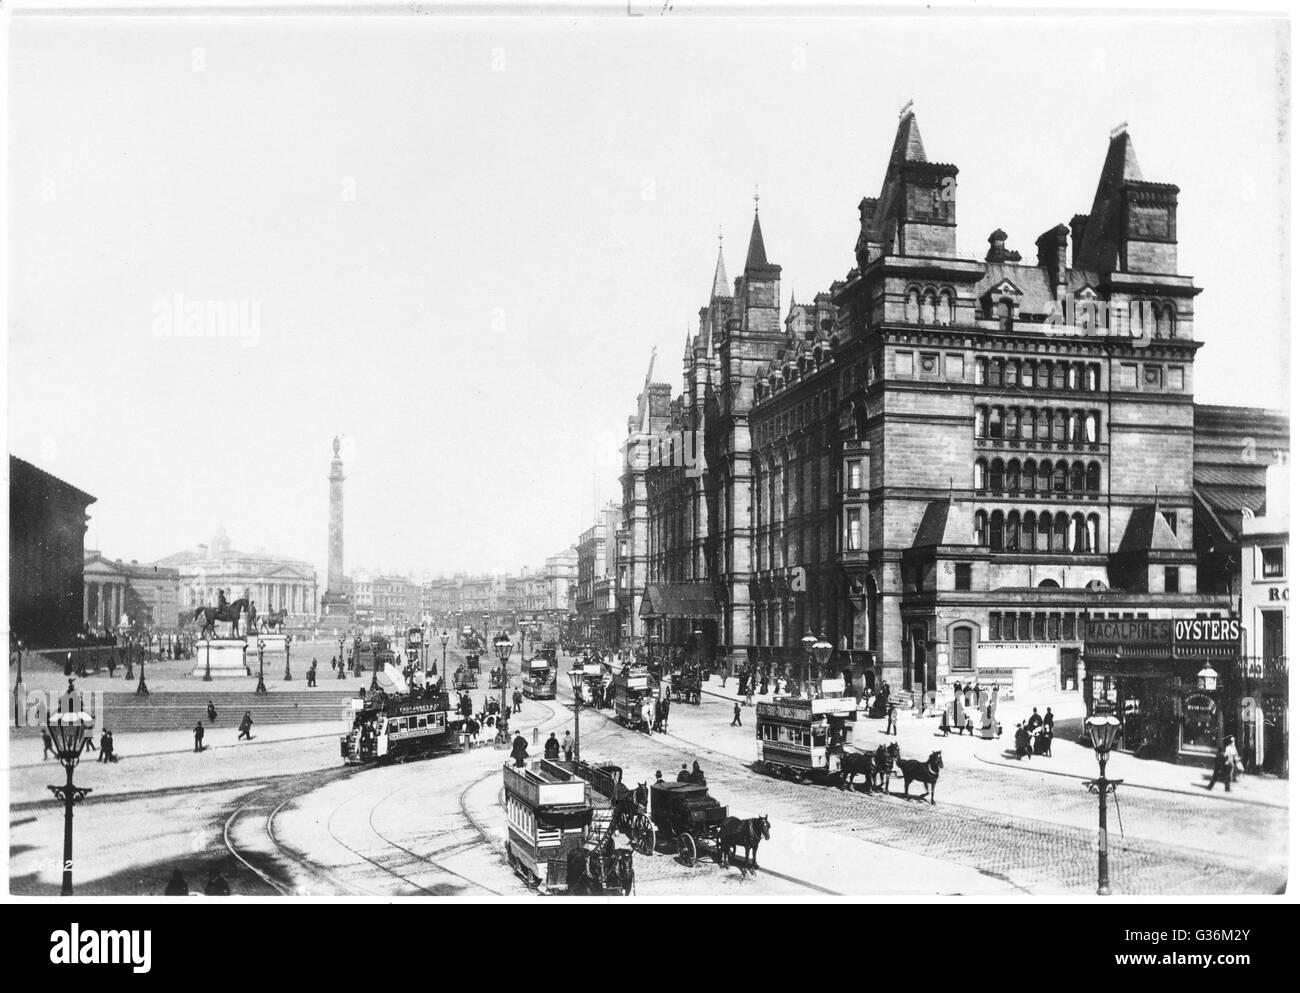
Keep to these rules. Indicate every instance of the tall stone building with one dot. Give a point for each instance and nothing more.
(947, 466)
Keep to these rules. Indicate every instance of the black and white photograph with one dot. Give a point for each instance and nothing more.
(647, 452)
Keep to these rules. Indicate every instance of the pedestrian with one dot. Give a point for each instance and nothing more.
(892, 726)
(1034, 722)
(749, 693)
(88, 745)
(105, 749)
(658, 724)
(1230, 751)
(177, 886)
(684, 776)
(697, 774)
(552, 749)
(519, 751)
(246, 726)
(519, 701)
(735, 715)
(334, 663)
(762, 686)
(944, 726)
(198, 736)
(1022, 742)
(48, 742)
(659, 776)
(665, 720)
(217, 885)
(1049, 721)
(212, 713)
(112, 746)
(568, 747)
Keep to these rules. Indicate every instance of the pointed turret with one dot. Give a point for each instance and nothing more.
(720, 290)
(907, 141)
(756, 260)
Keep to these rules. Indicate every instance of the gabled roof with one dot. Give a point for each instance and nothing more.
(1148, 531)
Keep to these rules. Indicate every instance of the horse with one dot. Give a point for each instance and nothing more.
(592, 873)
(274, 620)
(926, 772)
(857, 764)
(230, 615)
(883, 759)
(746, 833)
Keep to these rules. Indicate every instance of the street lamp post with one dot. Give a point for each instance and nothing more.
(130, 657)
(68, 731)
(207, 660)
(340, 675)
(261, 678)
(1102, 729)
(288, 675)
(502, 645)
(20, 665)
(576, 680)
(443, 638)
(821, 652)
(141, 689)
(807, 641)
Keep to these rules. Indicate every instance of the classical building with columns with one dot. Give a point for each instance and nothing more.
(149, 595)
(272, 582)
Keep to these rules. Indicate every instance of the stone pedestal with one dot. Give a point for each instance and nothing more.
(275, 647)
(224, 657)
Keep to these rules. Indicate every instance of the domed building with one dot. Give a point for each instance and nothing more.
(273, 582)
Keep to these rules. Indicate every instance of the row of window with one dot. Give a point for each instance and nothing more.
(1025, 626)
(1037, 532)
(1033, 477)
(1042, 374)
(1041, 423)
(930, 307)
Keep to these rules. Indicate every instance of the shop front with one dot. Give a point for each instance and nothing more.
(1168, 681)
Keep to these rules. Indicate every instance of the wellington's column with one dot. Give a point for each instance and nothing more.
(335, 602)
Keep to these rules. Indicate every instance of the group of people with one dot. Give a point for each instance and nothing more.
(216, 886)
(693, 775)
(245, 726)
(554, 747)
(1034, 736)
(107, 750)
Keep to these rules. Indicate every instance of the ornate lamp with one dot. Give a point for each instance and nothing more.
(68, 730)
(821, 653)
(576, 679)
(1103, 730)
(502, 644)
(1207, 679)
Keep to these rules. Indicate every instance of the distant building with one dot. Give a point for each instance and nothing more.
(147, 595)
(47, 541)
(272, 582)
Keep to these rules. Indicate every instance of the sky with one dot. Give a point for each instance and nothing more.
(455, 242)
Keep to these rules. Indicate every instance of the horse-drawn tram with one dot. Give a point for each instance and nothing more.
(800, 737)
(685, 813)
(466, 676)
(390, 728)
(560, 827)
(539, 679)
(634, 696)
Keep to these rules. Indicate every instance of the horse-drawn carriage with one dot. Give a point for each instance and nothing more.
(497, 677)
(685, 683)
(560, 833)
(693, 820)
(466, 676)
(802, 737)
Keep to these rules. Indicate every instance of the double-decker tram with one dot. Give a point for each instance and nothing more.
(391, 727)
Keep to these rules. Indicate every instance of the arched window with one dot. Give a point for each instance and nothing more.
(1027, 373)
(981, 474)
(1075, 380)
(1094, 531)
(1078, 534)
(1076, 477)
(996, 476)
(1013, 532)
(1013, 422)
(1060, 532)
(1028, 475)
(995, 422)
(1092, 382)
(981, 371)
(947, 312)
(912, 310)
(995, 531)
(1044, 542)
(1043, 375)
(1058, 375)
(1073, 429)
(1060, 477)
(995, 372)
(1049, 584)
(927, 308)
(1045, 477)
(1090, 426)
(981, 529)
(860, 423)
(1013, 475)
(1092, 479)
(981, 422)
(1027, 531)
(1013, 372)
(1044, 429)
(1027, 424)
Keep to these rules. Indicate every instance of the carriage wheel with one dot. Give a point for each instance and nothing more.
(643, 841)
(686, 850)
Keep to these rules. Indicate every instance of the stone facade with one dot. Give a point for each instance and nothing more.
(149, 595)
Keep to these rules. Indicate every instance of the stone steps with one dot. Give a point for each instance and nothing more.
(163, 711)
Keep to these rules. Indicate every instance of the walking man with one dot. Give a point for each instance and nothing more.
(892, 726)
(212, 713)
(735, 715)
(1223, 766)
(48, 742)
(519, 701)
(519, 751)
(568, 747)
(198, 736)
(246, 726)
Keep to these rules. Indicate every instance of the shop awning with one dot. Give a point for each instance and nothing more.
(691, 601)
